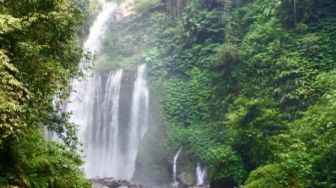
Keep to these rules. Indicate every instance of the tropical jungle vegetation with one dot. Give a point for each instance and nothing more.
(246, 86)
(39, 54)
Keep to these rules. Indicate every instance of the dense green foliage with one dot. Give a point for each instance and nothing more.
(246, 86)
(39, 54)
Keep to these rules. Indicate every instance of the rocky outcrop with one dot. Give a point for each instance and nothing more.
(181, 185)
(112, 183)
(186, 179)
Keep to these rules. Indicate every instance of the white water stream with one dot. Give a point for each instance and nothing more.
(139, 117)
(175, 166)
(201, 173)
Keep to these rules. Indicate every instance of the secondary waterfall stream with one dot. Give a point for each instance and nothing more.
(201, 173)
(110, 144)
(175, 166)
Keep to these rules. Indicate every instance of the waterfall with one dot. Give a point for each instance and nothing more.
(99, 127)
(139, 118)
(99, 27)
(201, 173)
(110, 146)
(97, 30)
(175, 165)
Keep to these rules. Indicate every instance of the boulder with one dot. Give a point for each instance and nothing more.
(186, 179)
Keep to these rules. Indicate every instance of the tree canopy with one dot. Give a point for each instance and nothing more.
(39, 53)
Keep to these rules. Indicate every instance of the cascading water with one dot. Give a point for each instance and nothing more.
(98, 116)
(99, 27)
(139, 117)
(110, 145)
(175, 166)
(201, 173)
